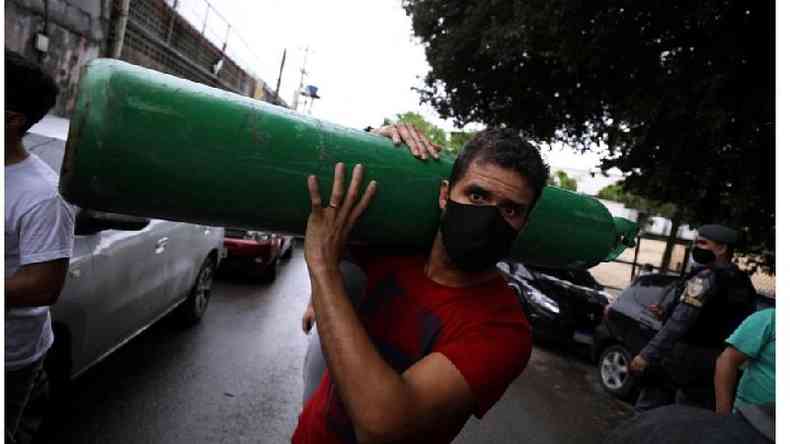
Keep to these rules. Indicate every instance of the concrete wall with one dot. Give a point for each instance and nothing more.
(617, 209)
(157, 37)
(81, 30)
(77, 31)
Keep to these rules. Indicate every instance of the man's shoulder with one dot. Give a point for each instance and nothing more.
(759, 326)
(760, 319)
(729, 272)
(34, 181)
(494, 301)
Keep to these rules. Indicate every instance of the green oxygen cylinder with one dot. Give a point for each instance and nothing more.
(149, 144)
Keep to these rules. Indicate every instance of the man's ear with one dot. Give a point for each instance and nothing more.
(719, 249)
(444, 194)
(15, 121)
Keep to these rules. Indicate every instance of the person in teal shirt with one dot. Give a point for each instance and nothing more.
(751, 347)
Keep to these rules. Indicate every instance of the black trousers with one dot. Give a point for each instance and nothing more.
(685, 377)
(26, 401)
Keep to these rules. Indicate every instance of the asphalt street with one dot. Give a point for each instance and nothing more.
(237, 378)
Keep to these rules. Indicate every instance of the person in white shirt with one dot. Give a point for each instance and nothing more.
(39, 236)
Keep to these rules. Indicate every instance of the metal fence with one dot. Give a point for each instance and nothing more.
(215, 28)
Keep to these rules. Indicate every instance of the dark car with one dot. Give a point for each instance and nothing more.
(562, 305)
(254, 254)
(628, 326)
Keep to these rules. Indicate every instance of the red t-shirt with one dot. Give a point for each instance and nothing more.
(481, 329)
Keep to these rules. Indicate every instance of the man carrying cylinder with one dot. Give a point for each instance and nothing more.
(435, 337)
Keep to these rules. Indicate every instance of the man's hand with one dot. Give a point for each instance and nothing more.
(308, 318)
(657, 311)
(419, 145)
(638, 364)
(328, 228)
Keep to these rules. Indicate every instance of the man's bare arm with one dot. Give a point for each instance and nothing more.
(36, 284)
(383, 405)
(726, 376)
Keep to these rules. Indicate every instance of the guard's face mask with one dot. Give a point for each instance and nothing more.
(702, 256)
(476, 237)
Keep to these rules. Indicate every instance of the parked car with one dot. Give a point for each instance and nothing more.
(562, 305)
(628, 326)
(255, 254)
(125, 273)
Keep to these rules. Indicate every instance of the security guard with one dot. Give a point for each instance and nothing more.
(715, 299)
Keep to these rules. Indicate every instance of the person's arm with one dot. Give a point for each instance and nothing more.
(726, 377)
(679, 322)
(46, 238)
(384, 406)
(36, 284)
(744, 344)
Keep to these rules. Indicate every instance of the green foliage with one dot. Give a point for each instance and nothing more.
(613, 192)
(647, 207)
(682, 94)
(562, 180)
(458, 139)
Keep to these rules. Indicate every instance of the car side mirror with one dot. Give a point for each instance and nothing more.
(92, 222)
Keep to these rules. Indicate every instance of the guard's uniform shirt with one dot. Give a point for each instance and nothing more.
(713, 303)
(729, 301)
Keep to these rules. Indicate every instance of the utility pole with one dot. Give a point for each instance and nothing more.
(303, 72)
(280, 77)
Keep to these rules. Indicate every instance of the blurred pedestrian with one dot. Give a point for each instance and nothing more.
(39, 236)
(751, 347)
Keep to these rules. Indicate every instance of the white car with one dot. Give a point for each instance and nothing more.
(125, 273)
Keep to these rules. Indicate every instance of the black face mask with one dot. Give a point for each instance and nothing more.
(475, 237)
(702, 256)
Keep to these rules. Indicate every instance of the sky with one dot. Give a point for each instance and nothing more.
(362, 57)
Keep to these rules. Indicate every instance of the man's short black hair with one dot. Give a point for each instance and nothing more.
(507, 149)
(28, 89)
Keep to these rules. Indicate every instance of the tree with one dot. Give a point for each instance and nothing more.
(562, 180)
(458, 139)
(437, 135)
(648, 208)
(681, 94)
(617, 193)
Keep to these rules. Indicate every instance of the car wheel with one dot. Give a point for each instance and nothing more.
(613, 371)
(192, 309)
